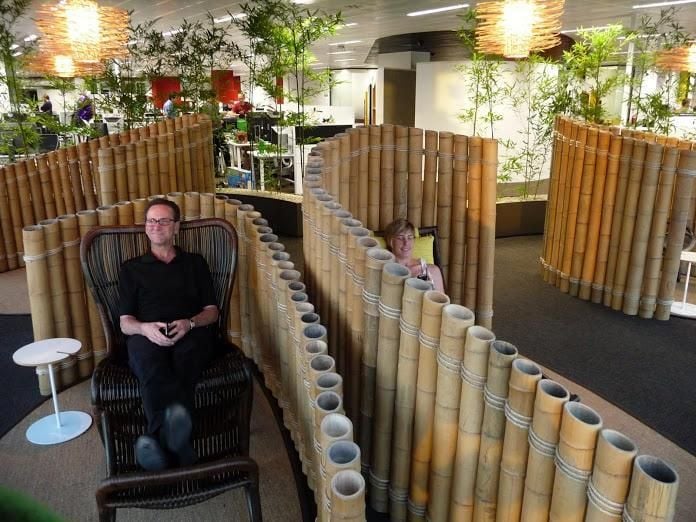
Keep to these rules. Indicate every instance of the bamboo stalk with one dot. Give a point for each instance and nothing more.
(550, 217)
(429, 208)
(94, 146)
(153, 176)
(473, 222)
(401, 172)
(207, 205)
(524, 378)
(192, 206)
(444, 198)
(386, 177)
(429, 338)
(46, 186)
(415, 173)
(24, 193)
(347, 497)
(107, 179)
(460, 168)
(15, 212)
(580, 426)
(364, 186)
(335, 428)
(653, 493)
(340, 455)
(36, 192)
(373, 182)
(120, 174)
(568, 131)
(484, 289)
(6, 224)
(456, 320)
(354, 170)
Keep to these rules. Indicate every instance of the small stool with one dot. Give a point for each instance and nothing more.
(61, 426)
(682, 308)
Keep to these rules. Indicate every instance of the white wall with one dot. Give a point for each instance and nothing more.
(403, 60)
(351, 88)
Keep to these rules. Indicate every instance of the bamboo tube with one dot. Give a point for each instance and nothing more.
(363, 174)
(163, 163)
(473, 222)
(343, 148)
(178, 198)
(120, 174)
(580, 426)
(686, 169)
(264, 300)
(617, 218)
(362, 243)
(313, 342)
(87, 175)
(524, 378)
(457, 259)
(234, 325)
(653, 263)
(347, 497)
(131, 172)
(373, 184)
(444, 198)
(607, 489)
(46, 187)
(244, 270)
(324, 254)
(502, 354)
(198, 146)
(124, 210)
(15, 212)
(375, 259)
(94, 158)
(75, 284)
(192, 206)
(587, 181)
(24, 193)
(568, 131)
(64, 175)
(473, 372)
(456, 320)
(386, 177)
(139, 206)
(340, 455)
(653, 493)
(484, 290)
(543, 439)
(393, 277)
(143, 185)
(114, 140)
(404, 403)
(325, 403)
(207, 204)
(179, 160)
(283, 277)
(400, 172)
(335, 428)
(304, 347)
(35, 189)
(353, 169)
(644, 216)
(628, 224)
(429, 208)
(415, 173)
(75, 178)
(550, 215)
(172, 159)
(144, 132)
(333, 177)
(429, 338)
(572, 204)
(107, 215)
(219, 205)
(297, 307)
(38, 282)
(86, 220)
(6, 224)
(108, 195)
(604, 232)
(153, 177)
(337, 272)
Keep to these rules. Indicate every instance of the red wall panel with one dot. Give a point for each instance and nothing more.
(163, 87)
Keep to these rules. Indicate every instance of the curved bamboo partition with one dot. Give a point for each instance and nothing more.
(610, 206)
(455, 449)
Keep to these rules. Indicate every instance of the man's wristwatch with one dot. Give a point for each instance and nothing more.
(192, 324)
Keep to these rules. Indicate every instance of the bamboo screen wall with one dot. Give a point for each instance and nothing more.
(167, 156)
(618, 210)
(380, 173)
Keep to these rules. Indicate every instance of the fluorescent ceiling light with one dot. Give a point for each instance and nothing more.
(345, 60)
(598, 28)
(170, 33)
(351, 24)
(663, 4)
(346, 43)
(17, 53)
(30, 38)
(340, 52)
(438, 10)
(227, 18)
(13, 46)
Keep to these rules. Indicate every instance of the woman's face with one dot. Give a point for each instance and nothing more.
(402, 244)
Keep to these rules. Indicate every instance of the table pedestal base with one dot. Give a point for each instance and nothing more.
(682, 309)
(46, 431)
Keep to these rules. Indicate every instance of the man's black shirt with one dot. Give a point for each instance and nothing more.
(151, 290)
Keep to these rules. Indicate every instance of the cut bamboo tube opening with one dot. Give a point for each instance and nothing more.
(347, 497)
(653, 493)
(341, 455)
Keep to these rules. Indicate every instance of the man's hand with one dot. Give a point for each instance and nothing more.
(179, 328)
(152, 332)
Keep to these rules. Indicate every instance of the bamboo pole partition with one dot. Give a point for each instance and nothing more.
(610, 205)
(653, 492)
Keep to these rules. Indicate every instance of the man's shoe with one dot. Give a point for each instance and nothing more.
(149, 454)
(176, 434)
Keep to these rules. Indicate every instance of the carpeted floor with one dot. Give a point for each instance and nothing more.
(646, 367)
(19, 383)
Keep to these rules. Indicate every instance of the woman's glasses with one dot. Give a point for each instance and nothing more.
(161, 221)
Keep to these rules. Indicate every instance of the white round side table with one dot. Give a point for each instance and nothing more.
(682, 308)
(61, 426)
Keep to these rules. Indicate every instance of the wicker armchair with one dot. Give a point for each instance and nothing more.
(223, 395)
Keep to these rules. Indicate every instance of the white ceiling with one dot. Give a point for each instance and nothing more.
(379, 18)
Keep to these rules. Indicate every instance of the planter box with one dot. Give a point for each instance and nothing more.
(520, 217)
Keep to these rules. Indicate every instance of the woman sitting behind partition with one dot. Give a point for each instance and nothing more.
(400, 236)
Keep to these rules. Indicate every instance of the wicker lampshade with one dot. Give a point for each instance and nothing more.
(514, 28)
(678, 59)
(78, 35)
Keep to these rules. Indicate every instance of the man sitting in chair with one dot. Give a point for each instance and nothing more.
(166, 301)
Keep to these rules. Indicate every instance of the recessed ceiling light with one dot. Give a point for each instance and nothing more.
(172, 32)
(340, 52)
(350, 24)
(30, 38)
(227, 18)
(345, 60)
(18, 53)
(346, 43)
(13, 46)
(663, 4)
(438, 10)
(598, 28)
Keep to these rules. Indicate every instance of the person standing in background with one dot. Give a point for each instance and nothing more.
(168, 108)
(46, 106)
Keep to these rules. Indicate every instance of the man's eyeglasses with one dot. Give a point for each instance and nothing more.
(161, 221)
